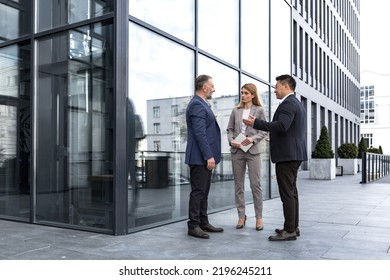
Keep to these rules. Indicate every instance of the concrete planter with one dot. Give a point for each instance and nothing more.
(350, 165)
(322, 169)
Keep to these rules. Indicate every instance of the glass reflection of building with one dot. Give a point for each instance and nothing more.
(93, 95)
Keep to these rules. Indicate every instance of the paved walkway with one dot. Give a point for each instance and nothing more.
(340, 219)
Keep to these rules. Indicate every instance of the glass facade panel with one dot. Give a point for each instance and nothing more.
(255, 37)
(75, 105)
(280, 39)
(161, 76)
(15, 19)
(15, 131)
(219, 31)
(50, 14)
(177, 17)
(74, 128)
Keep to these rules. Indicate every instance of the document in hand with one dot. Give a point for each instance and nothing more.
(241, 137)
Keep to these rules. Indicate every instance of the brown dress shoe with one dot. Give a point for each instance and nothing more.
(198, 233)
(283, 236)
(297, 231)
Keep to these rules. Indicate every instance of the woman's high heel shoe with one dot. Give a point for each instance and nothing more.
(240, 226)
(259, 224)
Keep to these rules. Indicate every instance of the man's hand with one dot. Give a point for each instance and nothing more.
(250, 121)
(210, 163)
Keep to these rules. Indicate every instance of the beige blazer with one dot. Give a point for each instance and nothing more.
(235, 123)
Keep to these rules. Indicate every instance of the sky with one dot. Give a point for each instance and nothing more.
(374, 40)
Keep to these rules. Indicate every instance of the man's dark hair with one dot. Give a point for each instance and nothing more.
(200, 81)
(287, 79)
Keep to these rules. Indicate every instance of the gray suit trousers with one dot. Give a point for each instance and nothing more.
(240, 160)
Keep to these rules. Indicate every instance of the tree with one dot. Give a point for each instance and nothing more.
(323, 148)
(362, 147)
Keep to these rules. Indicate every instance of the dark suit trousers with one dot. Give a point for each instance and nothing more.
(286, 175)
(200, 178)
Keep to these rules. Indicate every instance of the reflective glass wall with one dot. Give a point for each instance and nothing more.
(74, 132)
(166, 52)
(56, 112)
(15, 109)
(15, 131)
(74, 115)
(62, 148)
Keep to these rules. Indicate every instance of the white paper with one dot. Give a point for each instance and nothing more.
(241, 137)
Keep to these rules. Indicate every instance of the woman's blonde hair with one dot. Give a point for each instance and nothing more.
(253, 90)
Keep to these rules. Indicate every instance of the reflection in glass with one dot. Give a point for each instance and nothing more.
(161, 75)
(74, 117)
(50, 14)
(255, 37)
(15, 19)
(218, 31)
(15, 131)
(177, 17)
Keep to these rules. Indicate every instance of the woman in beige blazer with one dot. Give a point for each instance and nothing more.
(242, 137)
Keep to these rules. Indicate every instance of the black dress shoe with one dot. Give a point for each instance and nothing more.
(297, 231)
(198, 233)
(283, 236)
(211, 228)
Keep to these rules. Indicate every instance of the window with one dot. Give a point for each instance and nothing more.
(180, 24)
(367, 104)
(175, 110)
(175, 128)
(368, 138)
(254, 52)
(15, 19)
(157, 128)
(213, 24)
(157, 146)
(176, 145)
(156, 112)
(50, 14)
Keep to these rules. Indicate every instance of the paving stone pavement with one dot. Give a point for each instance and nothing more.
(340, 219)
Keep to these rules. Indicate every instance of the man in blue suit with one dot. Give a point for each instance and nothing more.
(203, 153)
(288, 150)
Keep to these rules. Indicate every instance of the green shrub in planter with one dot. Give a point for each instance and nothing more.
(373, 150)
(362, 147)
(348, 150)
(323, 148)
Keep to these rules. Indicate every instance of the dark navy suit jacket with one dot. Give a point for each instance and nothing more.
(203, 133)
(288, 131)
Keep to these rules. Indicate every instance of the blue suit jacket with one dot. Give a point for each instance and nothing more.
(288, 131)
(203, 133)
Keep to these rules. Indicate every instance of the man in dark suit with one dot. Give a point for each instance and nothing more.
(203, 152)
(288, 150)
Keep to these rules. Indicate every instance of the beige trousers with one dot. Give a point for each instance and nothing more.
(241, 160)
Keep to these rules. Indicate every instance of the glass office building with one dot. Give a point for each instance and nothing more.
(93, 95)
